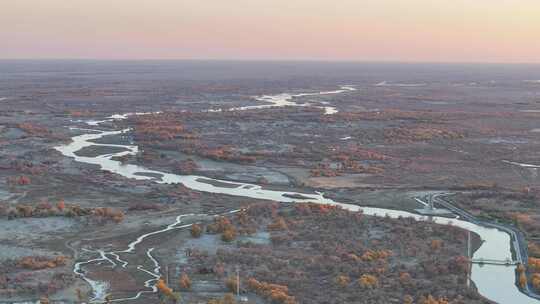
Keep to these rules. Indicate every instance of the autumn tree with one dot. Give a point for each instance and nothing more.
(405, 278)
(534, 264)
(461, 264)
(276, 293)
(163, 288)
(372, 255)
(23, 180)
(118, 218)
(38, 263)
(196, 230)
(432, 300)
(368, 281)
(343, 280)
(436, 245)
(184, 282)
(219, 225)
(61, 205)
(232, 284)
(408, 299)
(229, 234)
(522, 280)
(520, 268)
(279, 223)
(166, 291)
(229, 299)
(535, 281)
(107, 213)
(24, 211)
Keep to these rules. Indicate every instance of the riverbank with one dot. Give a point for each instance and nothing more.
(493, 239)
(519, 244)
(377, 147)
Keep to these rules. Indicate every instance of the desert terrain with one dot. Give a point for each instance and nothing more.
(245, 168)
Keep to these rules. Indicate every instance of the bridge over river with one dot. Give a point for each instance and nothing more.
(506, 262)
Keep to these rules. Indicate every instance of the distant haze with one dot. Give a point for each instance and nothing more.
(363, 30)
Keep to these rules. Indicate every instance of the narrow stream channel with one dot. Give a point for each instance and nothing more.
(496, 283)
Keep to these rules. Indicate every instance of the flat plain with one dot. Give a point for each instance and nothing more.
(371, 135)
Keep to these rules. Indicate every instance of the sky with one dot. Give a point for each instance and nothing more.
(344, 30)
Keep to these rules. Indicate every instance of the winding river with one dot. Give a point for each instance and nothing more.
(496, 283)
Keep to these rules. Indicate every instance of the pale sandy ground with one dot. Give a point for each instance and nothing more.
(27, 229)
(10, 252)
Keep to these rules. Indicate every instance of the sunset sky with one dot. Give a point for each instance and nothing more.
(363, 30)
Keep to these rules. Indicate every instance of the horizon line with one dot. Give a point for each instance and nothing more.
(262, 60)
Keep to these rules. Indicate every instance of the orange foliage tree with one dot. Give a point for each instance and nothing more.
(227, 299)
(522, 280)
(279, 223)
(37, 263)
(184, 282)
(196, 230)
(343, 280)
(165, 290)
(534, 264)
(372, 255)
(22, 180)
(535, 280)
(219, 225)
(61, 205)
(407, 299)
(229, 235)
(431, 300)
(405, 278)
(231, 284)
(276, 293)
(368, 281)
(436, 244)
(107, 213)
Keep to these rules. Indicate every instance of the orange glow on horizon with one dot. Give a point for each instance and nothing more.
(396, 30)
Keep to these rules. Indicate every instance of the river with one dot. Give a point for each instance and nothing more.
(496, 283)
